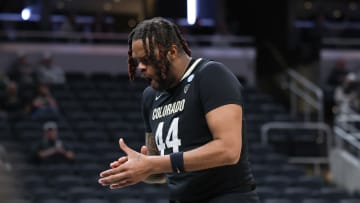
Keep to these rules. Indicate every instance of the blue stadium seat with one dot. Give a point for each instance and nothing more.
(66, 181)
(314, 182)
(296, 193)
(18, 200)
(350, 200)
(132, 200)
(161, 200)
(332, 193)
(53, 200)
(94, 136)
(70, 106)
(293, 171)
(93, 200)
(44, 192)
(278, 181)
(316, 200)
(267, 191)
(278, 200)
(34, 181)
(76, 193)
(262, 170)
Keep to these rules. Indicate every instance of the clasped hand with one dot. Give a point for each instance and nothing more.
(127, 170)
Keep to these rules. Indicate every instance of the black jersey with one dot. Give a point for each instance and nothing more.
(177, 119)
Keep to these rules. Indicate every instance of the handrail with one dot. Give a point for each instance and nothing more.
(341, 133)
(309, 89)
(344, 41)
(315, 160)
(346, 122)
(305, 82)
(3, 160)
(295, 125)
(352, 117)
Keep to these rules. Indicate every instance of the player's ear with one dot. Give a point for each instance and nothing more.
(173, 51)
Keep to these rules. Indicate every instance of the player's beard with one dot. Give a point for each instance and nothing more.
(163, 80)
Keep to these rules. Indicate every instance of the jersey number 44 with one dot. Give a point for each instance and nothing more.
(171, 140)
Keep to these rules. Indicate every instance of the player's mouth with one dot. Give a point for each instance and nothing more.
(148, 79)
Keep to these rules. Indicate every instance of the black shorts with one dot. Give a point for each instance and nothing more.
(247, 197)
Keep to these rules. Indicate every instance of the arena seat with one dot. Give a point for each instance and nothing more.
(296, 193)
(266, 192)
(313, 182)
(66, 181)
(350, 200)
(278, 200)
(316, 200)
(330, 192)
(53, 200)
(132, 200)
(77, 193)
(18, 200)
(93, 200)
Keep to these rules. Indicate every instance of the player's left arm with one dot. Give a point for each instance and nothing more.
(225, 124)
(151, 149)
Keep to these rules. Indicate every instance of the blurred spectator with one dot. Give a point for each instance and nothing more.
(44, 104)
(50, 73)
(21, 70)
(69, 24)
(337, 73)
(12, 102)
(51, 149)
(3, 114)
(345, 94)
(99, 23)
(3, 80)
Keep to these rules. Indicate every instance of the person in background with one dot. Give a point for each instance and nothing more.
(51, 149)
(50, 73)
(346, 94)
(338, 73)
(12, 102)
(22, 71)
(44, 104)
(4, 80)
(69, 24)
(196, 139)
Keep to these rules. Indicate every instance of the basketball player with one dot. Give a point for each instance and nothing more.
(193, 115)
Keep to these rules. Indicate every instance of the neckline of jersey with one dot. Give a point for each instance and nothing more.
(190, 69)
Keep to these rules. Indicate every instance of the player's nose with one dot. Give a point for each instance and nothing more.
(141, 67)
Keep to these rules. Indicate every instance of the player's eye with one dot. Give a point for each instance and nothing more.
(144, 60)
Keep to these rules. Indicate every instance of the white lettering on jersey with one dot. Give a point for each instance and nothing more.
(168, 109)
(171, 141)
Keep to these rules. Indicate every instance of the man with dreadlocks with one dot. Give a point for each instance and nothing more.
(195, 132)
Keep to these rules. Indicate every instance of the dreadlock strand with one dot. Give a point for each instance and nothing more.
(183, 42)
(166, 41)
(131, 67)
(144, 36)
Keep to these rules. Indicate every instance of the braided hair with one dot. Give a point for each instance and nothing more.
(157, 33)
